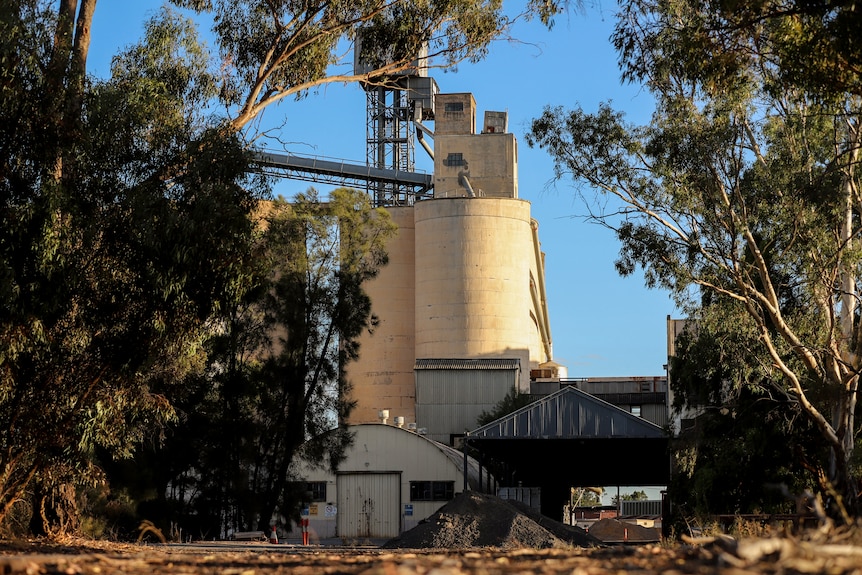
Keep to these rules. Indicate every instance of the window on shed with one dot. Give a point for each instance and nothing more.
(453, 107)
(317, 490)
(432, 490)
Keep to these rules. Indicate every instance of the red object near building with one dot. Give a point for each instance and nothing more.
(305, 530)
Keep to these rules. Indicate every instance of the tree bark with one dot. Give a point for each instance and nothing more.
(62, 50)
(78, 63)
(66, 79)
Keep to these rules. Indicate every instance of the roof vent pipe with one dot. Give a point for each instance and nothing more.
(399, 421)
(383, 414)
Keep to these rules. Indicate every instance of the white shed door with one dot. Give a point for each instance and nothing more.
(369, 505)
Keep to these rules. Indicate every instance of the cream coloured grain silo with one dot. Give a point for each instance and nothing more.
(383, 374)
(472, 286)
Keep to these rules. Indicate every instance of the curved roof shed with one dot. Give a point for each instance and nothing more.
(389, 481)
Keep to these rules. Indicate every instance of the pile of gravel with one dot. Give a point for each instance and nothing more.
(570, 534)
(474, 519)
(616, 531)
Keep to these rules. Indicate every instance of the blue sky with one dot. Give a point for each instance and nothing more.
(602, 325)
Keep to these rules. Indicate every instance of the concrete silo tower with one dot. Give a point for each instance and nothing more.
(461, 306)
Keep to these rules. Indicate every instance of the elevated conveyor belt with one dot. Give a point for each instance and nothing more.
(313, 169)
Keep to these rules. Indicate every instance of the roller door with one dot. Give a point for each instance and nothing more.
(369, 505)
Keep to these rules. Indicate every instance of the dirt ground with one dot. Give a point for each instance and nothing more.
(263, 559)
(473, 534)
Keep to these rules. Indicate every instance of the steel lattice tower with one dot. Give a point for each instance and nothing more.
(390, 140)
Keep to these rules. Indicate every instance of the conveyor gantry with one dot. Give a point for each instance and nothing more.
(314, 169)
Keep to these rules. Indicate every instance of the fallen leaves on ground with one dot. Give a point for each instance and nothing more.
(710, 555)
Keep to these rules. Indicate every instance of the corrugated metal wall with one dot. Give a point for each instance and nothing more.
(657, 414)
(476, 387)
(600, 385)
(585, 420)
(449, 402)
(530, 496)
(648, 393)
(640, 508)
(369, 505)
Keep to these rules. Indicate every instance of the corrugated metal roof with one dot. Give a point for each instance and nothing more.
(569, 413)
(467, 364)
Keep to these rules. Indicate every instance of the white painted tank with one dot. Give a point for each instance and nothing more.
(472, 279)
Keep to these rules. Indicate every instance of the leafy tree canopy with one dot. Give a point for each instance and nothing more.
(804, 43)
(275, 384)
(109, 270)
(585, 496)
(513, 401)
(274, 49)
(743, 188)
(638, 495)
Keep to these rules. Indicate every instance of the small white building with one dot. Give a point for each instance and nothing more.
(391, 479)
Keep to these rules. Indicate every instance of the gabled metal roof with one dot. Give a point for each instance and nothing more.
(467, 364)
(569, 414)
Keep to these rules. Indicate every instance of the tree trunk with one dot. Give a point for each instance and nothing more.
(78, 65)
(844, 420)
(66, 79)
(55, 510)
(62, 49)
(294, 434)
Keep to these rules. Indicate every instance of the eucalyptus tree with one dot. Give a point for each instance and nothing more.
(109, 269)
(744, 187)
(276, 49)
(745, 446)
(809, 43)
(277, 376)
(318, 308)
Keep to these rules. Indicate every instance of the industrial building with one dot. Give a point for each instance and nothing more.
(645, 397)
(390, 480)
(462, 306)
(463, 321)
(571, 438)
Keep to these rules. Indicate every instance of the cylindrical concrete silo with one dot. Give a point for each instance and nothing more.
(473, 280)
(382, 377)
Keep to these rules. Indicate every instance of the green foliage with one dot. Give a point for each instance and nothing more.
(106, 516)
(586, 497)
(126, 241)
(734, 459)
(275, 386)
(743, 438)
(513, 401)
(739, 198)
(113, 260)
(633, 496)
(809, 43)
(275, 49)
